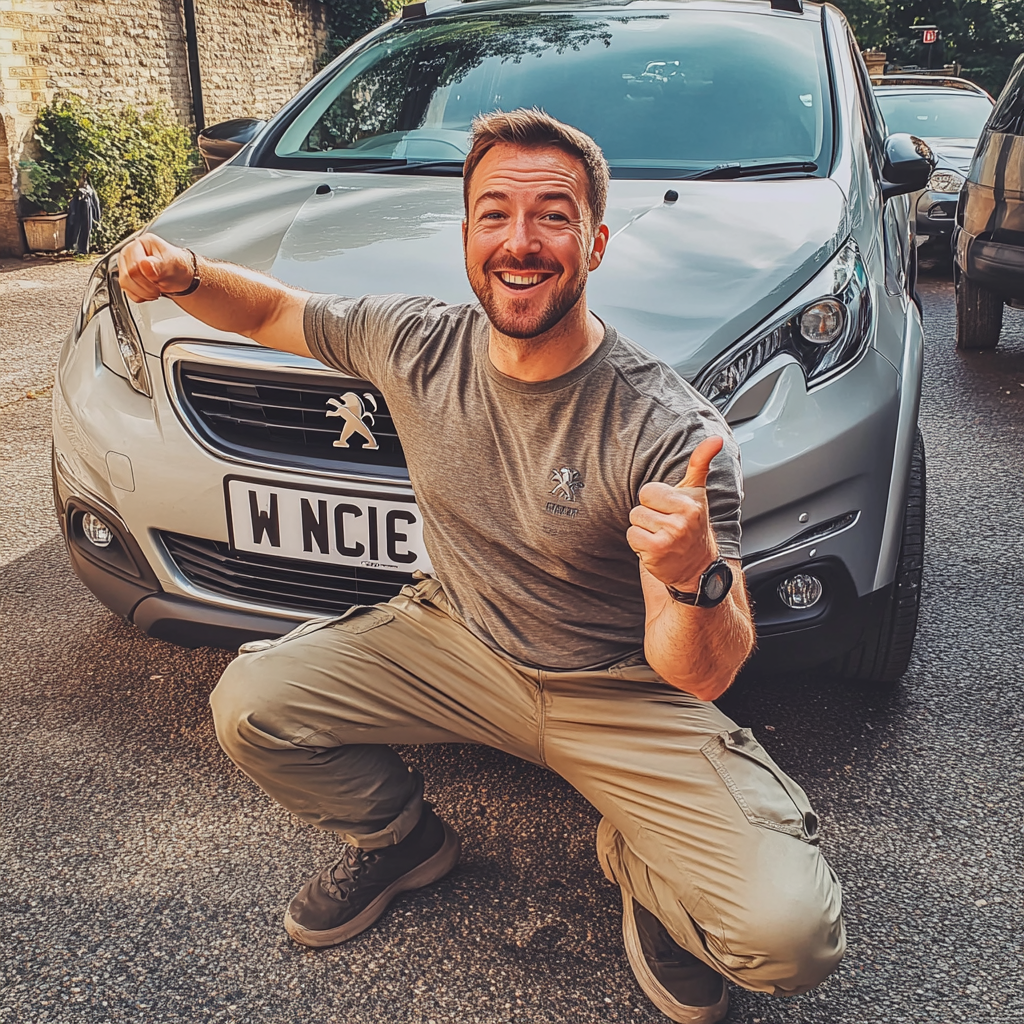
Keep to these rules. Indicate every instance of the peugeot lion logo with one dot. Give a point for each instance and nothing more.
(351, 409)
(568, 483)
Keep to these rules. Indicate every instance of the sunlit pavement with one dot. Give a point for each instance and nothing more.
(144, 879)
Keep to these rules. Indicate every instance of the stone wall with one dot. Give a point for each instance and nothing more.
(253, 56)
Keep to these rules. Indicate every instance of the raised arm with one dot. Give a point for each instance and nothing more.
(229, 297)
(698, 650)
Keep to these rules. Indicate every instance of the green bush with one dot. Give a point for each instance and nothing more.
(137, 161)
(347, 20)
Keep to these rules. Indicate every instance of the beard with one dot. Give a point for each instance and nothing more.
(519, 318)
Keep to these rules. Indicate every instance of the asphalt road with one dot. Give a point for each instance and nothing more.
(144, 879)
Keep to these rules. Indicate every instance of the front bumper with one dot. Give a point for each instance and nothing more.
(935, 215)
(810, 459)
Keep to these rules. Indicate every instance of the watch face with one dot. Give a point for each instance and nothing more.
(716, 585)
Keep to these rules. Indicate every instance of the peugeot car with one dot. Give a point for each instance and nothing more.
(212, 491)
(949, 114)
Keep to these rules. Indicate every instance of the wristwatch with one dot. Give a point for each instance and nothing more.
(715, 584)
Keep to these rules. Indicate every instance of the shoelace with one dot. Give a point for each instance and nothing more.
(346, 870)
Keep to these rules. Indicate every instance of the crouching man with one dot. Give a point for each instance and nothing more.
(588, 602)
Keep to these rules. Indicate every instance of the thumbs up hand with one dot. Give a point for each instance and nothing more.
(671, 530)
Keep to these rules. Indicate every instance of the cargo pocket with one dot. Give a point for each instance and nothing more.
(763, 791)
(358, 619)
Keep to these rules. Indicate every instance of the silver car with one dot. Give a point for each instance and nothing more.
(212, 491)
(949, 114)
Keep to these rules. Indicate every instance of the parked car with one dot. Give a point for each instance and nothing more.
(760, 244)
(948, 113)
(988, 245)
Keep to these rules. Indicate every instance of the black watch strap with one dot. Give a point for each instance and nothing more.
(715, 584)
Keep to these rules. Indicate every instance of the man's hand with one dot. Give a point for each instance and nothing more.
(671, 528)
(148, 267)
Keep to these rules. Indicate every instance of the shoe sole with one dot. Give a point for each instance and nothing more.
(430, 870)
(653, 989)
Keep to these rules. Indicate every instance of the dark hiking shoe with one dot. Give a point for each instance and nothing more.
(684, 988)
(350, 894)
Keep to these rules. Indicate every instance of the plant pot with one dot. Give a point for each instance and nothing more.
(45, 231)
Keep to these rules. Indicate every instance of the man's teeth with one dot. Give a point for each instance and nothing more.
(521, 278)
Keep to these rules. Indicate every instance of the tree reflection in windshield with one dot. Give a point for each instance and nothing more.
(394, 95)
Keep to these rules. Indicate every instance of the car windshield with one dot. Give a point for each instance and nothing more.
(663, 93)
(947, 115)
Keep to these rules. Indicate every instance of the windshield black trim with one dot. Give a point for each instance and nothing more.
(827, 42)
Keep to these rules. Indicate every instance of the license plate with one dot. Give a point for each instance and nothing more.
(372, 531)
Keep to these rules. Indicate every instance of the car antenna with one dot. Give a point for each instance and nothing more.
(793, 6)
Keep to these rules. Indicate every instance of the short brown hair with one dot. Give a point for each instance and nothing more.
(534, 128)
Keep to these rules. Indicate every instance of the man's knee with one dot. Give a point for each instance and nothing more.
(249, 687)
(791, 947)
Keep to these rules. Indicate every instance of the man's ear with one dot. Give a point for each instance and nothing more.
(600, 245)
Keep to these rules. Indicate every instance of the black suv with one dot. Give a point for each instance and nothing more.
(988, 242)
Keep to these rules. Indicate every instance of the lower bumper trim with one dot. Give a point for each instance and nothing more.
(192, 624)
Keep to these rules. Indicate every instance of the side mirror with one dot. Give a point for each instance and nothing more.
(908, 165)
(220, 142)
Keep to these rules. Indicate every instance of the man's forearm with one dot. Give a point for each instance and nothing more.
(234, 298)
(228, 298)
(698, 650)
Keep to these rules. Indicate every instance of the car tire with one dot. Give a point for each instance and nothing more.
(884, 652)
(979, 314)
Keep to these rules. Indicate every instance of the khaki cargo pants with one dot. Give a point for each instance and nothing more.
(699, 824)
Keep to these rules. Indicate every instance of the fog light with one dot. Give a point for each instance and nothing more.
(96, 531)
(801, 591)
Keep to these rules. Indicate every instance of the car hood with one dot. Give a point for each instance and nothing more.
(954, 154)
(683, 278)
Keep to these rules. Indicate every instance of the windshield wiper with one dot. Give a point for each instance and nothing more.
(723, 171)
(452, 168)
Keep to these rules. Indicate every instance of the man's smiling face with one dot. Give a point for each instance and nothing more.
(528, 237)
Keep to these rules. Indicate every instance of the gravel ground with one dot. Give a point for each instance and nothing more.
(144, 878)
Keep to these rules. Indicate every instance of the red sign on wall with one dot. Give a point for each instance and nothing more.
(930, 35)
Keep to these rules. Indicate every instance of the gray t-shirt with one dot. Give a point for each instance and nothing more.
(525, 488)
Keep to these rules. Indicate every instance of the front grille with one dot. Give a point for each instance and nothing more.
(283, 418)
(289, 584)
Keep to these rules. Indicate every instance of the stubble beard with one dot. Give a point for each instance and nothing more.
(513, 317)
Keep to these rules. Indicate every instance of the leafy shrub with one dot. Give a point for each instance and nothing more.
(347, 20)
(137, 161)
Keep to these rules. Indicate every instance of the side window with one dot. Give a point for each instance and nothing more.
(874, 123)
(1008, 116)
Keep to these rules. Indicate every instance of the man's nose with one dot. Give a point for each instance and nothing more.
(522, 238)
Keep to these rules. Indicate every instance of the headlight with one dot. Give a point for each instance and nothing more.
(945, 181)
(825, 328)
(129, 343)
(97, 296)
(123, 353)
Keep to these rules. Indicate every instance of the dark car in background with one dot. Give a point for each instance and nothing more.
(949, 114)
(988, 243)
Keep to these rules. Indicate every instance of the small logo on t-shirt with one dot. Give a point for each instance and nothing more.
(568, 483)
